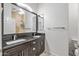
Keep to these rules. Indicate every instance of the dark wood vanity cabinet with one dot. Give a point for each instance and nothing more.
(19, 50)
(31, 48)
(37, 47)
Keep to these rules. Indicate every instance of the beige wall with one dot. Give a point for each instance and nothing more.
(73, 21)
(55, 14)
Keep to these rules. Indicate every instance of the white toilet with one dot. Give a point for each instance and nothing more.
(77, 52)
(77, 47)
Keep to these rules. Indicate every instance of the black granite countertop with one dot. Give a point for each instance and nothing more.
(12, 45)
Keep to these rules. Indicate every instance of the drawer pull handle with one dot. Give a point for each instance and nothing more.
(34, 49)
(34, 42)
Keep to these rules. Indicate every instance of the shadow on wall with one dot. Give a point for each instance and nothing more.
(47, 51)
(46, 48)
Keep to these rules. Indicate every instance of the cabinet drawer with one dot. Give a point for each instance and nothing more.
(32, 51)
(33, 42)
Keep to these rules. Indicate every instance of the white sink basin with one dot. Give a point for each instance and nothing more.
(37, 36)
(15, 41)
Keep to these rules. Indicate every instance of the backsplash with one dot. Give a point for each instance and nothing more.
(7, 37)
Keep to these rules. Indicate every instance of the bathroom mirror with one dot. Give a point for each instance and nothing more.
(18, 15)
(18, 20)
(40, 24)
(8, 23)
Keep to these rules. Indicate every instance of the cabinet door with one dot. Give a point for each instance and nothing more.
(32, 51)
(42, 44)
(14, 51)
(33, 48)
(25, 50)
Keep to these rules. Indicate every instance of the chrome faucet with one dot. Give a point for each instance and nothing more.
(34, 34)
(14, 37)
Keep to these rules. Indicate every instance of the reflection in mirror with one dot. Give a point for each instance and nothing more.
(18, 20)
(24, 20)
(18, 16)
